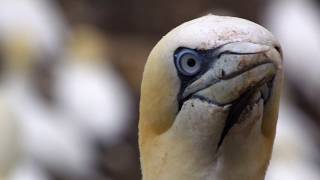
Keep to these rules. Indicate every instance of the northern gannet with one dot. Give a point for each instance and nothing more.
(209, 101)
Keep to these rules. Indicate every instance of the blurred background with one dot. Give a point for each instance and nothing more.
(70, 74)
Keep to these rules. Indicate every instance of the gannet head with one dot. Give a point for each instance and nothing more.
(209, 101)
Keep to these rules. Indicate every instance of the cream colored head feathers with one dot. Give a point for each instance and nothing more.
(209, 101)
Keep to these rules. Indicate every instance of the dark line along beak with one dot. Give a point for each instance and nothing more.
(220, 71)
(241, 68)
(239, 105)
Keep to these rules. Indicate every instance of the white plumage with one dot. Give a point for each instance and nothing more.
(90, 90)
(296, 24)
(95, 98)
(40, 19)
(30, 30)
(47, 136)
(295, 154)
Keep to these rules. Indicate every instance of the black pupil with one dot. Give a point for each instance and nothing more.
(191, 62)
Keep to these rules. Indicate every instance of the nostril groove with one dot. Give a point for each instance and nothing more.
(223, 73)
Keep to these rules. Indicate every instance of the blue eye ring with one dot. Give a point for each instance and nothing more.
(188, 62)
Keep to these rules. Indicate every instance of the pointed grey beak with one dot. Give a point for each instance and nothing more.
(239, 66)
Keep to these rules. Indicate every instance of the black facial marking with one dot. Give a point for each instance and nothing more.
(239, 105)
(234, 114)
(205, 57)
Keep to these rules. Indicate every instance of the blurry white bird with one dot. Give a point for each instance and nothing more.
(47, 136)
(297, 26)
(295, 154)
(41, 19)
(30, 30)
(57, 139)
(90, 90)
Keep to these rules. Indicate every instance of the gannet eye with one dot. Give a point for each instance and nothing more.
(188, 62)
